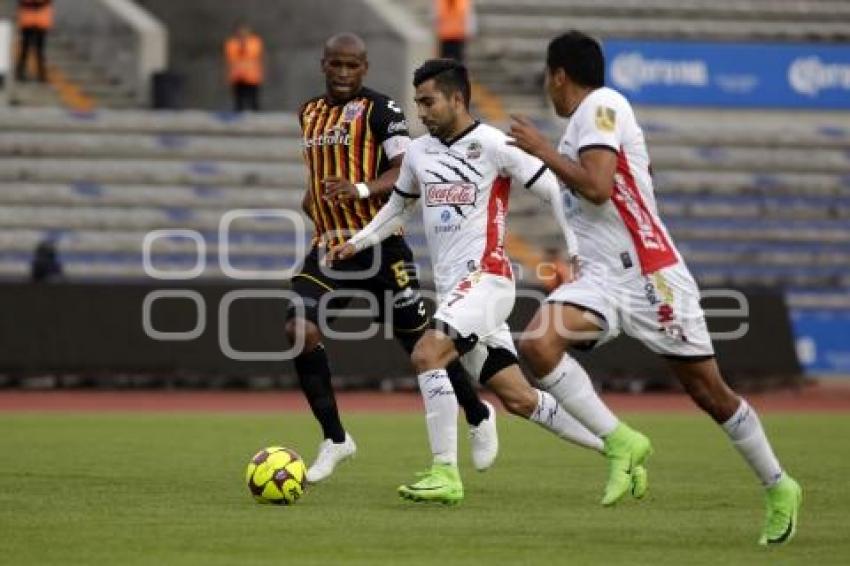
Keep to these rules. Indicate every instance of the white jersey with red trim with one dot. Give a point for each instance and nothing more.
(464, 186)
(624, 232)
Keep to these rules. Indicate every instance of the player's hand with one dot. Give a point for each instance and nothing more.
(526, 136)
(339, 189)
(340, 252)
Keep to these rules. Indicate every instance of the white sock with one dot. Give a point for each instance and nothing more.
(570, 385)
(440, 415)
(556, 419)
(747, 434)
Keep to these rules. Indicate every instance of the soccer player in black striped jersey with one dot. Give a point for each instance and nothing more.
(354, 139)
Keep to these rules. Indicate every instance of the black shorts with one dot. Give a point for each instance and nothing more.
(391, 279)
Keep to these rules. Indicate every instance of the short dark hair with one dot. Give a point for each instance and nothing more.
(580, 56)
(449, 76)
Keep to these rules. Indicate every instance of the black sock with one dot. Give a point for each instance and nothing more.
(314, 376)
(467, 397)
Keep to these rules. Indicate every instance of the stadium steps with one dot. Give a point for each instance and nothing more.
(782, 10)
(277, 126)
(159, 146)
(525, 36)
(507, 55)
(95, 183)
(149, 171)
(73, 82)
(198, 197)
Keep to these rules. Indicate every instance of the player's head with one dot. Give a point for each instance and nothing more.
(442, 95)
(344, 64)
(574, 65)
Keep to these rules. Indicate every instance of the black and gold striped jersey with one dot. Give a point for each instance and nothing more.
(347, 140)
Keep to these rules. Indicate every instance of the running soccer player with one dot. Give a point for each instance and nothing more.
(462, 174)
(632, 277)
(354, 139)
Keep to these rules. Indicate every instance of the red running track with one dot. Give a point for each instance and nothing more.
(830, 396)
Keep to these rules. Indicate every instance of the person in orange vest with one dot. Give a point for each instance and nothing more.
(244, 54)
(455, 21)
(35, 18)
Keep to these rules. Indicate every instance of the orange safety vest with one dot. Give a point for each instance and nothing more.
(453, 19)
(245, 59)
(40, 17)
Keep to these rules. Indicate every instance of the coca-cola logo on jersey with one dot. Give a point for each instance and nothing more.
(450, 194)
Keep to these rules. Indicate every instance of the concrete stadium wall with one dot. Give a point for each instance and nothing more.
(98, 330)
(294, 32)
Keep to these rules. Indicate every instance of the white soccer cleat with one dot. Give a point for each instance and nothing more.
(485, 441)
(330, 454)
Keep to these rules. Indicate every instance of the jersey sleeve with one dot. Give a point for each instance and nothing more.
(519, 165)
(600, 125)
(407, 185)
(389, 127)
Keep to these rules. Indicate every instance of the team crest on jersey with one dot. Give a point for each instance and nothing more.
(450, 194)
(473, 150)
(353, 110)
(606, 118)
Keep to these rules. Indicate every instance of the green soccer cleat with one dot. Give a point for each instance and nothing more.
(440, 484)
(783, 504)
(627, 450)
(640, 482)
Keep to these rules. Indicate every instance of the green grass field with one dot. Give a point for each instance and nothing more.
(168, 489)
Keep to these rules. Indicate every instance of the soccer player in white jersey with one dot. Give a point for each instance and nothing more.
(632, 278)
(462, 174)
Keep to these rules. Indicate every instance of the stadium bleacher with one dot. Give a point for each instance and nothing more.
(752, 197)
(96, 183)
(507, 55)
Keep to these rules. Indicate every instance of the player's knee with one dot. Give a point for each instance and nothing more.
(424, 355)
(431, 352)
(302, 334)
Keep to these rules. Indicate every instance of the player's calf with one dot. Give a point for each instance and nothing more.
(704, 384)
(513, 391)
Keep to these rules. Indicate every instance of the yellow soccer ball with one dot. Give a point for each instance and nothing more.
(276, 475)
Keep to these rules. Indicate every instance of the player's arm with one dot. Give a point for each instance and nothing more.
(538, 179)
(392, 216)
(592, 176)
(389, 128)
(339, 189)
(389, 219)
(547, 189)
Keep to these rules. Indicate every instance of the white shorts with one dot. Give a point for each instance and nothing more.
(480, 304)
(661, 310)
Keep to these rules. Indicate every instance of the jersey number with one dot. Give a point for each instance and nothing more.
(392, 106)
(402, 277)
